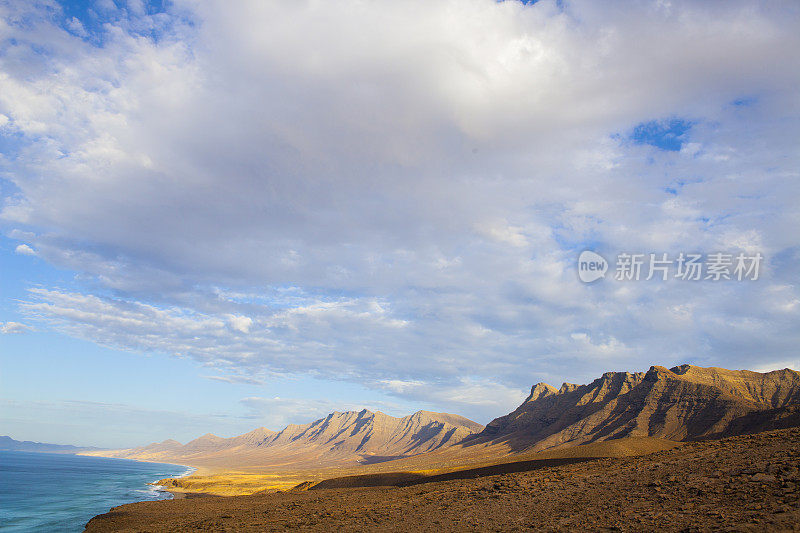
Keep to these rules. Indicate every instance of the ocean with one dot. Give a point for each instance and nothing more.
(56, 492)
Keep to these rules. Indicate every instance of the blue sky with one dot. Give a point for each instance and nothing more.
(216, 216)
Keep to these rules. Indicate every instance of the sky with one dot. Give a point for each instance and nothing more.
(220, 215)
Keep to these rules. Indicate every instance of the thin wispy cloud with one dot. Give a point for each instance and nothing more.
(10, 328)
(236, 379)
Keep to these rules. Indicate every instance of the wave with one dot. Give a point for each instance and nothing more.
(155, 492)
(189, 471)
(159, 492)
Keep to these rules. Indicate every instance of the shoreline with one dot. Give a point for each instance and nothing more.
(176, 495)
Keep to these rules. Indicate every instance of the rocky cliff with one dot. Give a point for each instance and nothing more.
(682, 403)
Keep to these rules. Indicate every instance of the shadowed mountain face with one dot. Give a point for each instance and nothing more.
(338, 439)
(682, 403)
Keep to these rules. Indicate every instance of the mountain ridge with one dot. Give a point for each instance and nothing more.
(348, 437)
(685, 402)
(679, 404)
(12, 445)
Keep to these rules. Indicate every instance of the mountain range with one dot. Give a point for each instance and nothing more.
(7, 444)
(339, 439)
(633, 411)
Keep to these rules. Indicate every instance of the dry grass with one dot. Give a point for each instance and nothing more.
(242, 483)
(232, 483)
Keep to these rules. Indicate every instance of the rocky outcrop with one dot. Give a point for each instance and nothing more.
(541, 390)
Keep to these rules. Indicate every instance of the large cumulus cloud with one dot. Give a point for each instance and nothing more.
(396, 192)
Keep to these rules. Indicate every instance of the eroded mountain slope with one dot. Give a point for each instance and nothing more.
(682, 403)
(338, 439)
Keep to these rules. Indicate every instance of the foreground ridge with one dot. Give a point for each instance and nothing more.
(744, 483)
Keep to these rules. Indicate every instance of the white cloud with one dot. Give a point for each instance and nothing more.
(586, 346)
(300, 338)
(236, 379)
(777, 365)
(8, 328)
(400, 386)
(394, 193)
(504, 233)
(240, 323)
(24, 249)
(76, 27)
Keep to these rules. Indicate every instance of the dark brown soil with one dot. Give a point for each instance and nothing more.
(746, 483)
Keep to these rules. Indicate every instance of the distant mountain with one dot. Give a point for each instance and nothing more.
(7, 444)
(682, 403)
(346, 438)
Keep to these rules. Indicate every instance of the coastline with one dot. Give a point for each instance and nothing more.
(194, 489)
(157, 485)
(61, 492)
(176, 495)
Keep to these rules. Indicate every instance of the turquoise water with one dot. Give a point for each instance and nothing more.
(52, 492)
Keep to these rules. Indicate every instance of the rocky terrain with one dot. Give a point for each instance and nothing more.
(743, 483)
(683, 403)
(340, 439)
